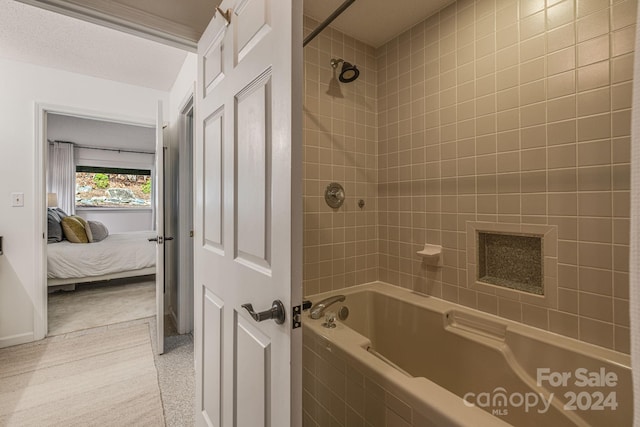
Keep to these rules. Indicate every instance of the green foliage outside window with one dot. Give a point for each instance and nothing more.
(146, 187)
(101, 180)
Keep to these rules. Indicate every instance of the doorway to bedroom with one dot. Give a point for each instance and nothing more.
(101, 264)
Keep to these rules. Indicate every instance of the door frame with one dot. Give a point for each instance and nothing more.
(186, 188)
(40, 298)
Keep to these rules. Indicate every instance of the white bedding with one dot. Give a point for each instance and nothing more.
(117, 253)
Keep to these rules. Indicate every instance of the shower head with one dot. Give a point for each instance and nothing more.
(348, 73)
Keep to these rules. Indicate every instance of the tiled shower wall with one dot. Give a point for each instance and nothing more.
(340, 134)
(511, 111)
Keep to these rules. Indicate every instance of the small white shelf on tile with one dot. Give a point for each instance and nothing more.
(431, 254)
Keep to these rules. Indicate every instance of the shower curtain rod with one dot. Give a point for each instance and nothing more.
(119, 150)
(327, 21)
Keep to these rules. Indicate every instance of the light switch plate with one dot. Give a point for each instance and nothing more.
(17, 199)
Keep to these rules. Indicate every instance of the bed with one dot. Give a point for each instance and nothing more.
(119, 255)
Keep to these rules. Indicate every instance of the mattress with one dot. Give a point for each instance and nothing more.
(118, 252)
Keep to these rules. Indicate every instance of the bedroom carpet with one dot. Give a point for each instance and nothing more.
(100, 304)
(103, 376)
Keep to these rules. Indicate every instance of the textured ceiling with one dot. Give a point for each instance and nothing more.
(37, 36)
(374, 22)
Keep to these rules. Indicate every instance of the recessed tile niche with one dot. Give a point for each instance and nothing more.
(511, 260)
(515, 261)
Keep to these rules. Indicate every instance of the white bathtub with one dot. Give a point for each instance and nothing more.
(412, 359)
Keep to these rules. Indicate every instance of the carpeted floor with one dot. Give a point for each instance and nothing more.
(84, 326)
(104, 376)
(98, 304)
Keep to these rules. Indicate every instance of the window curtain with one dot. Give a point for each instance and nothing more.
(61, 175)
(634, 261)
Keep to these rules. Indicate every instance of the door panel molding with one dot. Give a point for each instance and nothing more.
(213, 185)
(252, 379)
(212, 327)
(252, 25)
(253, 174)
(213, 64)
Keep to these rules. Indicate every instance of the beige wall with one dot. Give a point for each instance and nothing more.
(340, 134)
(490, 111)
(512, 112)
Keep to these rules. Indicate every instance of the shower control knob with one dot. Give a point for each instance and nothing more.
(334, 195)
(329, 320)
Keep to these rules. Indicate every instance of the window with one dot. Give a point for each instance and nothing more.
(112, 187)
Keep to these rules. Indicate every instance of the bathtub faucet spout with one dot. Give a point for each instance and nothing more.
(317, 311)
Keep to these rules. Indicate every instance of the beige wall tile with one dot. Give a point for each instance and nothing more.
(567, 252)
(563, 204)
(594, 127)
(512, 111)
(561, 108)
(567, 276)
(623, 41)
(533, 182)
(621, 204)
(595, 255)
(594, 102)
(563, 156)
(564, 323)
(622, 339)
(561, 132)
(622, 68)
(586, 7)
(535, 316)
(568, 300)
(596, 178)
(595, 230)
(594, 153)
(594, 204)
(596, 332)
(596, 307)
(533, 159)
(562, 180)
(594, 25)
(595, 280)
(561, 37)
(560, 14)
(510, 309)
(561, 61)
(594, 50)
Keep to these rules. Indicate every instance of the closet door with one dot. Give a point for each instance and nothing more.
(158, 179)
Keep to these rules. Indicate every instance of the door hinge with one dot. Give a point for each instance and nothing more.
(191, 233)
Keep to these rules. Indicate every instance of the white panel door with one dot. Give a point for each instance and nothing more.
(248, 215)
(158, 179)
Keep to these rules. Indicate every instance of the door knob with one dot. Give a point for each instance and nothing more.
(276, 312)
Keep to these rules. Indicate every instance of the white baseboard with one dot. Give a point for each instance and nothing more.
(16, 339)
